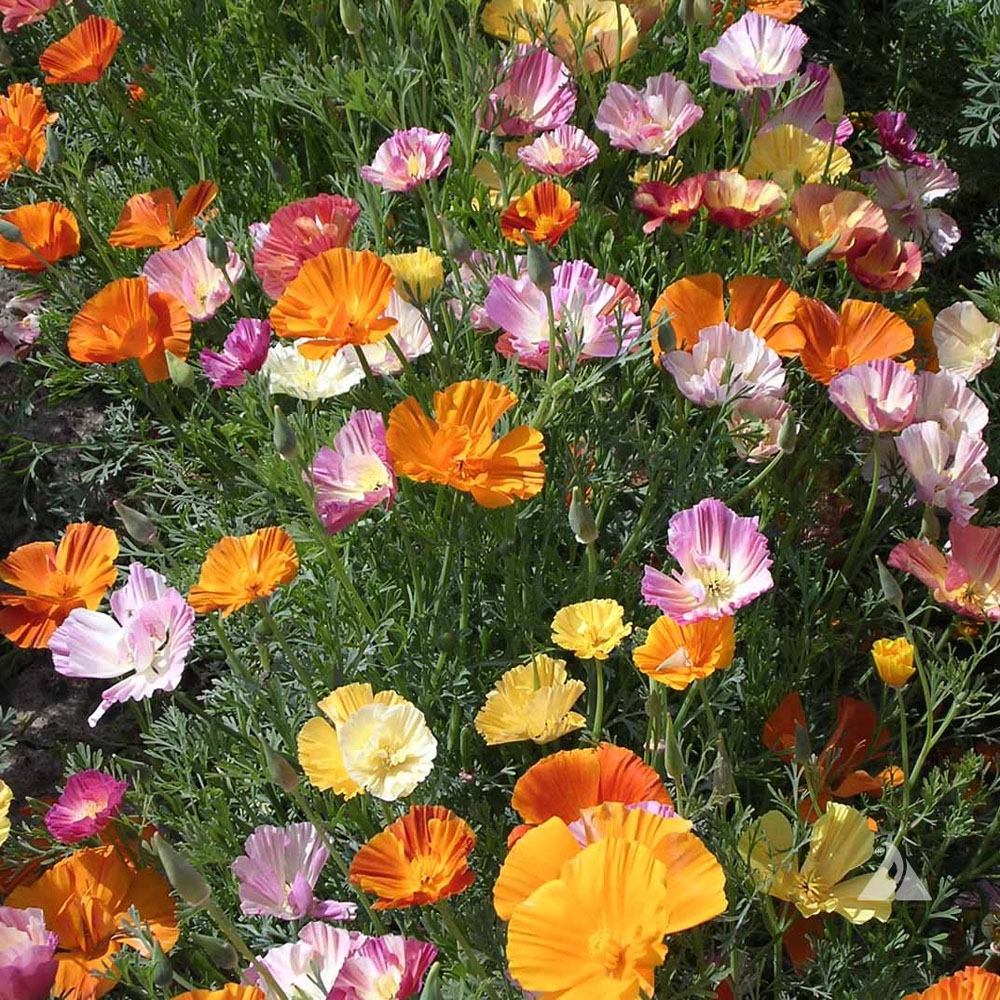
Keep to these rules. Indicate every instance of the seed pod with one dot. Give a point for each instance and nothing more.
(454, 725)
(673, 756)
(465, 748)
(53, 147)
(581, 520)
(665, 338)
(136, 524)
(350, 17)
(184, 877)
(285, 442)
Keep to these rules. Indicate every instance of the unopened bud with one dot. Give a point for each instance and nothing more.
(6, 56)
(930, 526)
(185, 879)
(280, 173)
(320, 19)
(788, 434)
(833, 100)
(53, 146)
(687, 13)
(704, 11)
(455, 242)
(890, 589)
(350, 17)
(447, 642)
(221, 953)
(665, 339)
(163, 972)
(136, 524)
(432, 984)
(285, 442)
(216, 250)
(581, 520)
(723, 783)
(803, 746)
(539, 266)
(817, 255)
(673, 758)
(181, 373)
(10, 232)
(280, 770)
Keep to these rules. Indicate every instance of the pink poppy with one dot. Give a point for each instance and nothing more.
(804, 110)
(755, 426)
(899, 139)
(306, 969)
(90, 800)
(756, 51)
(388, 966)
(887, 265)
(673, 204)
(536, 93)
(877, 395)
(559, 153)
(243, 353)
(408, 159)
(410, 335)
(189, 276)
(18, 13)
(27, 954)
(735, 202)
(945, 398)
(650, 120)
(19, 326)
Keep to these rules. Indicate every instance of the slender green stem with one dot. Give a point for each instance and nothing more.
(597, 723)
(448, 916)
(279, 633)
(758, 479)
(904, 752)
(232, 935)
(866, 519)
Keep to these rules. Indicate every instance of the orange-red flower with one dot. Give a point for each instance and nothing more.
(544, 212)
(778, 10)
(23, 121)
(123, 320)
(239, 570)
(50, 229)
(737, 203)
(84, 54)
(154, 219)
(231, 991)
(421, 858)
(86, 898)
(676, 655)
(972, 983)
(55, 580)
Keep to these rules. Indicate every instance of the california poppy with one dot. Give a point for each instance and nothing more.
(123, 320)
(421, 858)
(337, 298)
(84, 54)
(239, 570)
(231, 991)
(154, 218)
(676, 655)
(456, 448)
(55, 580)
(24, 118)
(735, 202)
(86, 900)
(972, 983)
(543, 213)
(50, 229)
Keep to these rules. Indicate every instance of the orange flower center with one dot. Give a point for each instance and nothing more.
(609, 953)
(840, 358)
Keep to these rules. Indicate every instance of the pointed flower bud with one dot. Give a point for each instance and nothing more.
(803, 746)
(186, 880)
(216, 250)
(788, 434)
(285, 442)
(53, 146)
(221, 953)
(833, 100)
(138, 526)
(704, 11)
(581, 520)
(163, 971)
(539, 266)
(181, 373)
(432, 984)
(280, 770)
(890, 588)
(350, 17)
(10, 232)
(455, 241)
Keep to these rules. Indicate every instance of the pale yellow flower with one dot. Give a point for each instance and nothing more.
(893, 660)
(791, 156)
(6, 796)
(591, 629)
(418, 274)
(966, 340)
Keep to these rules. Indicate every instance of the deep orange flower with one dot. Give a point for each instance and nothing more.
(84, 54)
(764, 305)
(154, 219)
(972, 983)
(123, 320)
(676, 655)
(337, 298)
(735, 202)
(419, 859)
(863, 331)
(50, 229)
(239, 570)
(23, 121)
(136, 93)
(544, 212)
(778, 10)
(55, 580)
(231, 991)
(457, 449)
(86, 899)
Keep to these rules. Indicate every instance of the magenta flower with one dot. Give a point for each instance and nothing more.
(388, 966)
(650, 120)
(724, 565)
(354, 475)
(297, 233)
(189, 276)
(726, 364)
(27, 955)
(90, 800)
(877, 395)
(243, 353)
(407, 159)
(756, 51)
(755, 425)
(675, 205)
(593, 317)
(536, 93)
(946, 473)
(559, 153)
(899, 139)
(306, 969)
(945, 398)
(804, 109)
(18, 13)
(144, 641)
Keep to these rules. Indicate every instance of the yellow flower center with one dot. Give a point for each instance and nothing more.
(811, 888)
(607, 952)
(719, 586)
(554, 155)
(387, 986)
(414, 165)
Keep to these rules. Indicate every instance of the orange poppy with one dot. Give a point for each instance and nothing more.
(764, 305)
(972, 983)
(544, 212)
(154, 219)
(777, 10)
(457, 448)
(50, 229)
(862, 331)
(826, 214)
(231, 991)
(123, 320)
(84, 54)
(86, 898)
(55, 580)
(735, 202)
(676, 655)
(421, 858)
(338, 298)
(24, 118)
(240, 570)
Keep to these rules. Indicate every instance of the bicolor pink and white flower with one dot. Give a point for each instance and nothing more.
(673, 205)
(189, 276)
(89, 802)
(20, 325)
(594, 317)
(803, 109)
(560, 152)
(536, 93)
(650, 120)
(756, 51)
(297, 233)
(243, 353)
(411, 335)
(946, 399)
(880, 396)
(278, 871)
(380, 967)
(408, 159)
(726, 364)
(755, 425)
(899, 139)
(724, 564)
(306, 969)
(144, 641)
(965, 339)
(18, 13)
(27, 954)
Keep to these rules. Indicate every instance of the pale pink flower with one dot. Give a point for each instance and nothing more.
(278, 872)
(877, 395)
(306, 969)
(408, 159)
(560, 152)
(388, 966)
(755, 425)
(899, 139)
(18, 13)
(724, 565)
(804, 109)
(965, 339)
(675, 205)
(354, 475)
(90, 800)
(297, 233)
(726, 364)
(258, 233)
(243, 353)
(27, 954)
(144, 640)
(411, 336)
(967, 579)
(536, 93)
(946, 399)
(946, 473)
(593, 320)
(189, 276)
(650, 120)
(887, 265)
(19, 326)
(756, 51)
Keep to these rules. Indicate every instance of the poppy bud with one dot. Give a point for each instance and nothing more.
(53, 146)
(687, 13)
(818, 254)
(181, 373)
(704, 11)
(221, 953)
(890, 588)
(138, 526)
(723, 783)
(833, 100)
(581, 520)
(350, 17)
(673, 757)
(788, 434)
(665, 338)
(163, 971)
(6, 56)
(432, 984)
(455, 243)
(216, 250)
(539, 266)
(285, 442)
(803, 746)
(185, 879)
(930, 526)
(10, 232)
(446, 642)
(280, 770)
(894, 660)
(280, 173)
